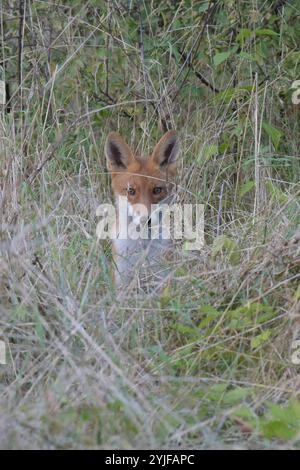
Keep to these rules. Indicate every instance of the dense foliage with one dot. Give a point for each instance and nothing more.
(211, 362)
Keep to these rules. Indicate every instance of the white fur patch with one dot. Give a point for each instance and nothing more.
(139, 213)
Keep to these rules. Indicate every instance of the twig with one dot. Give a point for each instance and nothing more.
(219, 222)
(112, 100)
(108, 40)
(142, 50)
(189, 58)
(198, 74)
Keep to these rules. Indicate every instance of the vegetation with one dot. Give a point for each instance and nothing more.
(212, 361)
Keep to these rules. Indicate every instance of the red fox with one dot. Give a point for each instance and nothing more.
(144, 182)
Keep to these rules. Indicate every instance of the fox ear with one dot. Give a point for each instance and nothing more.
(167, 149)
(118, 153)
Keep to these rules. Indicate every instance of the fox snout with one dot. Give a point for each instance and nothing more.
(142, 215)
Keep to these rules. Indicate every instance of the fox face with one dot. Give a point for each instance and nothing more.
(144, 181)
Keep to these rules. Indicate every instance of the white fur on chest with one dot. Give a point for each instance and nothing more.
(139, 251)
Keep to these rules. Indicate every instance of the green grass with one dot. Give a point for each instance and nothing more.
(208, 362)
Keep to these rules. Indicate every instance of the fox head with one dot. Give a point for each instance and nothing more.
(144, 181)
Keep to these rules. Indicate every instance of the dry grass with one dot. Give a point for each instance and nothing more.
(207, 364)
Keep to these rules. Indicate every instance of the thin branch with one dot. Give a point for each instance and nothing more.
(108, 40)
(198, 74)
(194, 50)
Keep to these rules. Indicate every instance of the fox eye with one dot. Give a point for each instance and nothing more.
(131, 191)
(157, 190)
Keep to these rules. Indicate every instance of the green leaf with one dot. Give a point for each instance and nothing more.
(208, 152)
(282, 422)
(187, 331)
(220, 57)
(247, 56)
(278, 429)
(288, 414)
(243, 34)
(174, 51)
(246, 413)
(238, 92)
(210, 315)
(216, 392)
(209, 310)
(203, 7)
(250, 314)
(297, 293)
(276, 192)
(223, 244)
(260, 339)
(246, 187)
(273, 133)
(39, 330)
(237, 395)
(265, 32)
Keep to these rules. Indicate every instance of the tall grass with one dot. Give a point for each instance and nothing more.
(208, 362)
